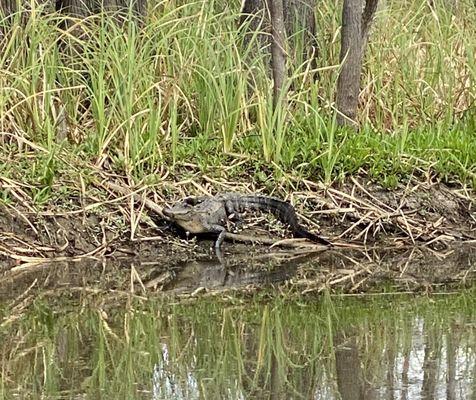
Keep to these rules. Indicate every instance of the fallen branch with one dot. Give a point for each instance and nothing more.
(291, 243)
(149, 204)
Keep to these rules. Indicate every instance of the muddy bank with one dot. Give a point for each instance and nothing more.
(433, 225)
(244, 272)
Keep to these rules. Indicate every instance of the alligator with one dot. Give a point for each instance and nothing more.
(210, 214)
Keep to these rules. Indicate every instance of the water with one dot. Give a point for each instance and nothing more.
(95, 346)
(273, 328)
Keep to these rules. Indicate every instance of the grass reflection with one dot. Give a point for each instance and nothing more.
(230, 348)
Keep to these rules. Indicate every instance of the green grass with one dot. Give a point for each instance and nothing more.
(184, 88)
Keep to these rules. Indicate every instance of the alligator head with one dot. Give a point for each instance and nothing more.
(197, 216)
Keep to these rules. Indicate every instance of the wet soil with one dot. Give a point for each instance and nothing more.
(243, 272)
(409, 239)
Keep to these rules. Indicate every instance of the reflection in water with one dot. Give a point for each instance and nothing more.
(325, 349)
(428, 364)
(350, 378)
(418, 357)
(431, 370)
(351, 271)
(431, 367)
(168, 386)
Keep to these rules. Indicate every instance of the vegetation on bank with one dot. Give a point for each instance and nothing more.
(147, 99)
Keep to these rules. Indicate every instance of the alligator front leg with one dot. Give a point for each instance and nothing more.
(221, 234)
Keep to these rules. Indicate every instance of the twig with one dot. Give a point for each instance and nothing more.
(293, 243)
(127, 192)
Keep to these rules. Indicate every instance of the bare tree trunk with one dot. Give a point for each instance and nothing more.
(7, 7)
(348, 84)
(367, 18)
(356, 21)
(298, 15)
(249, 12)
(83, 8)
(296, 12)
(278, 60)
(141, 7)
(75, 8)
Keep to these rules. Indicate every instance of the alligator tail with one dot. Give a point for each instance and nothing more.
(302, 233)
(283, 210)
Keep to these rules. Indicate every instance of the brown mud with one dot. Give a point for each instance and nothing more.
(349, 272)
(418, 238)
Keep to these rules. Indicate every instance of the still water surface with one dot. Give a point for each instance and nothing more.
(260, 347)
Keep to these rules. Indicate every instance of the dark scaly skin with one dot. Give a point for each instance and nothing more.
(210, 214)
